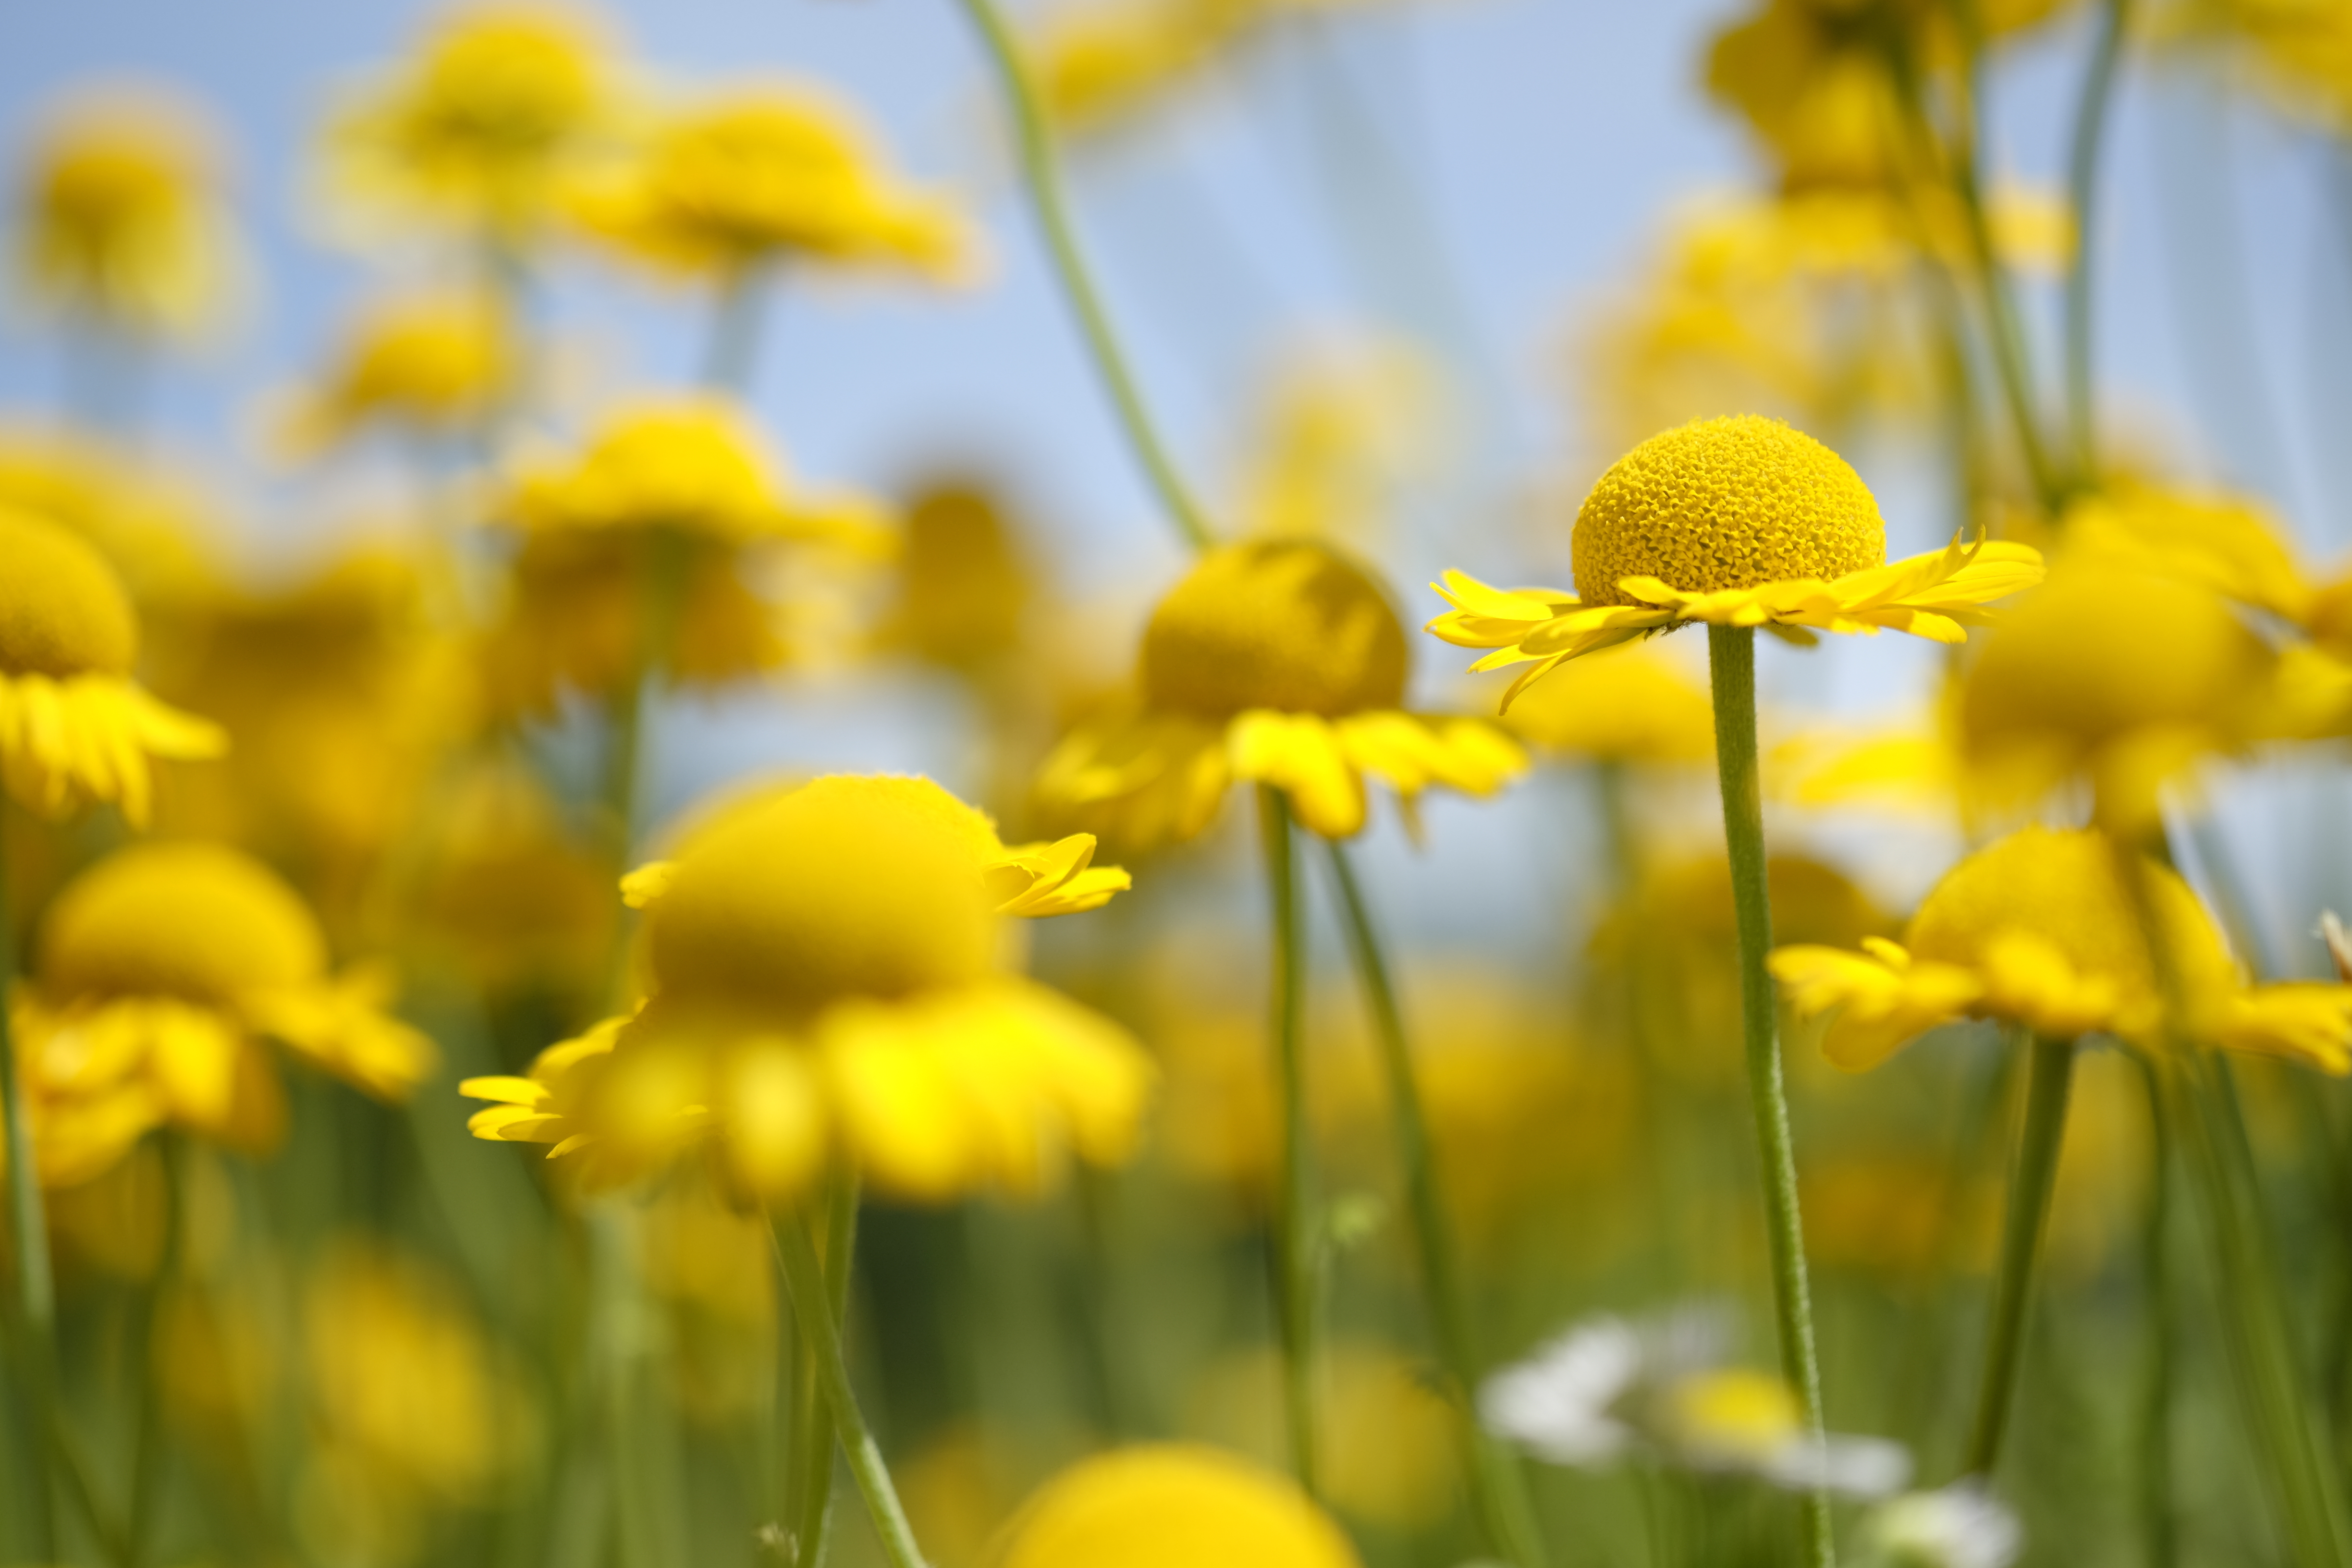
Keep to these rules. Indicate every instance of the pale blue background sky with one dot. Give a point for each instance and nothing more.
(1543, 140)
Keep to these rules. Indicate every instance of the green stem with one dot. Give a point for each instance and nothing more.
(2159, 1536)
(621, 1329)
(1034, 142)
(2034, 1177)
(1496, 1485)
(812, 1442)
(738, 323)
(813, 1293)
(1731, 662)
(36, 1303)
(2082, 187)
(147, 1463)
(1294, 1227)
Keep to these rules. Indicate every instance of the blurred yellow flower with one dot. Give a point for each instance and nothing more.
(1738, 522)
(964, 586)
(118, 219)
(1099, 64)
(824, 976)
(1172, 1506)
(2040, 929)
(160, 974)
(150, 525)
(424, 364)
(764, 175)
(1340, 428)
(481, 125)
(2300, 49)
(1627, 705)
(413, 1412)
(74, 726)
(1282, 663)
(675, 499)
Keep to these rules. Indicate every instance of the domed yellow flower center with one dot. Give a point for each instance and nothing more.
(1286, 625)
(1724, 503)
(2065, 889)
(819, 895)
(62, 610)
(199, 922)
(1173, 1506)
(2101, 653)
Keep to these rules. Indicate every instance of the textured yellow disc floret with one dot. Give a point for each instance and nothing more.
(199, 922)
(1173, 1506)
(62, 611)
(1724, 503)
(818, 896)
(2065, 889)
(1286, 625)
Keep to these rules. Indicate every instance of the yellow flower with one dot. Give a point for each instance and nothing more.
(117, 221)
(432, 364)
(1626, 705)
(413, 1412)
(2302, 48)
(480, 126)
(74, 726)
(1172, 1506)
(160, 973)
(680, 489)
(1281, 663)
(824, 974)
(1097, 64)
(765, 175)
(963, 586)
(1739, 521)
(146, 522)
(2040, 929)
(1339, 430)
(2115, 675)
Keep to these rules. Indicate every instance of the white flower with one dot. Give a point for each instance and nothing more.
(1608, 1386)
(1958, 1527)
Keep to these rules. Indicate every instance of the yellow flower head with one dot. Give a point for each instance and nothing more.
(2116, 675)
(767, 173)
(436, 364)
(480, 125)
(1097, 64)
(2042, 929)
(964, 586)
(74, 726)
(1738, 521)
(160, 972)
(117, 218)
(824, 969)
(1172, 1506)
(1279, 662)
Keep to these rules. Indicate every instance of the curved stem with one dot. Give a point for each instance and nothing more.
(2082, 187)
(36, 1303)
(813, 1290)
(811, 1441)
(1496, 1485)
(1034, 142)
(2032, 1180)
(1294, 1229)
(1731, 663)
(2159, 1538)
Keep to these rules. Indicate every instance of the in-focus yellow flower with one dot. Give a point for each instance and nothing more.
(2040, 929)
(824, 978)
(413, 1412)
(118, 220)
(1741, 521)
(160, 973)
(1282, 663)
(74, 726)
(678, 494)
(1172, 1506)
(1626, 705)
(767, 174)
(481, 125)
(430, 364)
(2117, 676)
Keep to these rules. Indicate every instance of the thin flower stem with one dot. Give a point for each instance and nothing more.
(1295, 1240)
(2159, 1538)
(1496, 1484)
(813, 1292)
(812, 1439)
(1033, 142)
(1731, 662)
(2083, 190)
(147, 1462)
(739, 321)
(36, 1303)
(621, 1328)
(2032, 1180)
